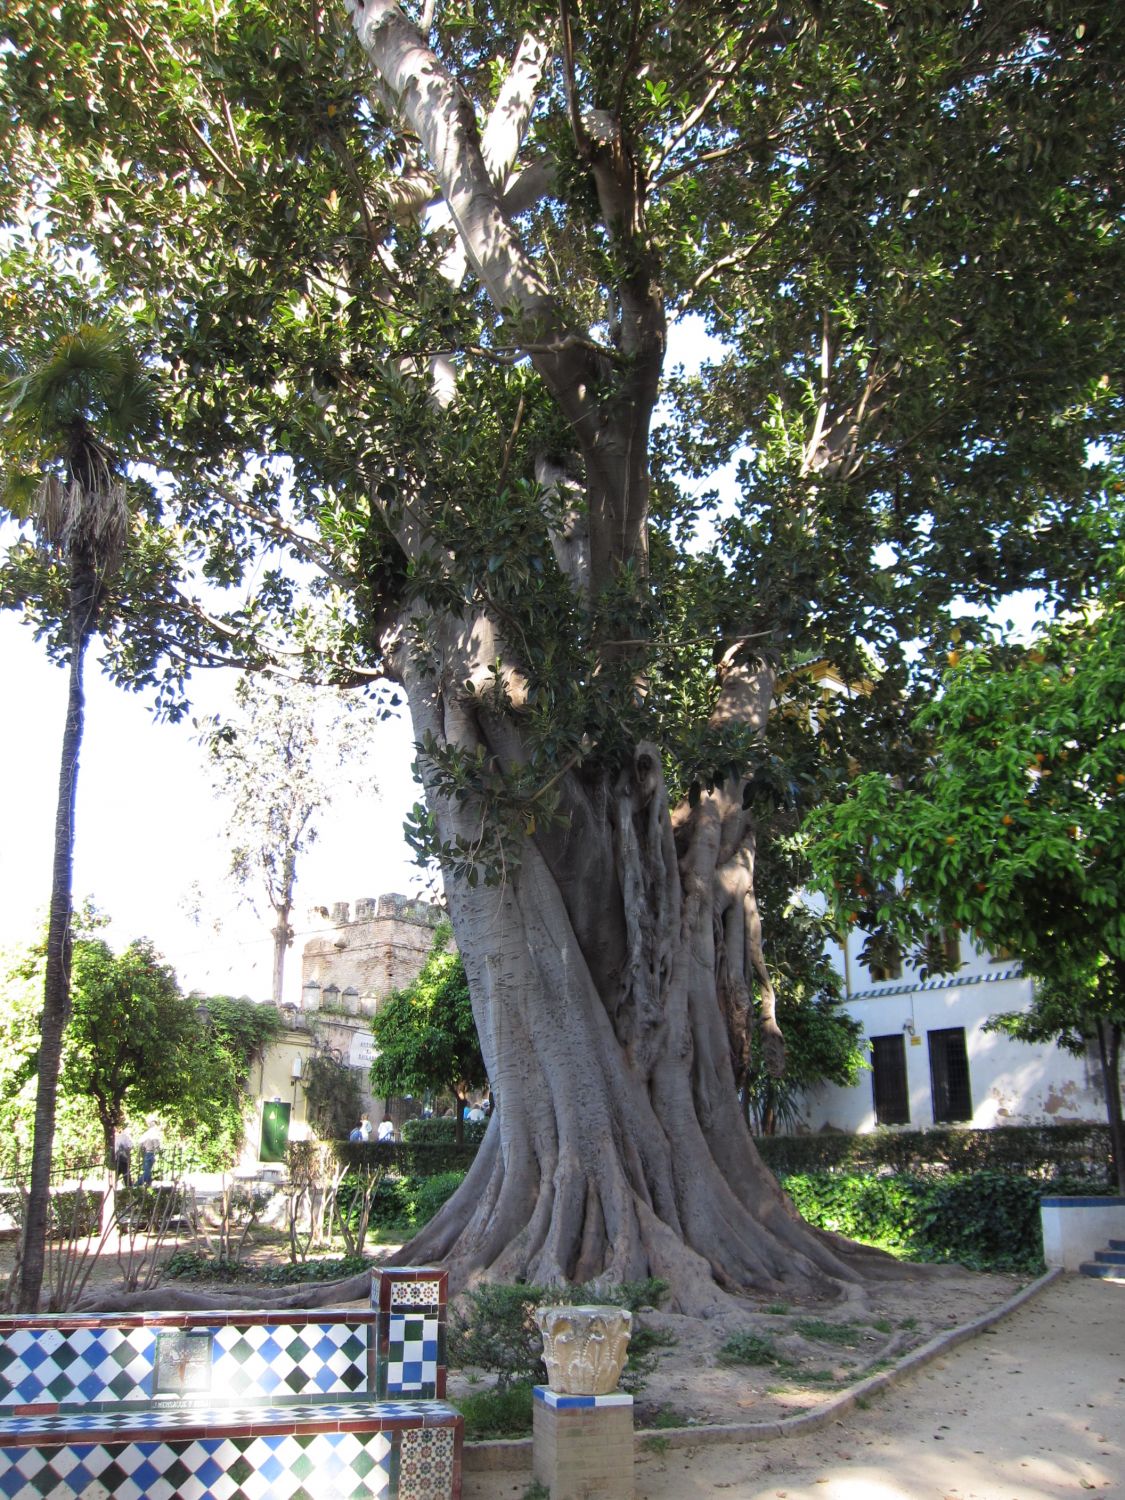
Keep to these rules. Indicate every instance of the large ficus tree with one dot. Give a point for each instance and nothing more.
(432, 258)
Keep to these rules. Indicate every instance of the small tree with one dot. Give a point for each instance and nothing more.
(425, 1034)
(77, 1137)
(276, 762)
(132, 1035)
(1016, 831)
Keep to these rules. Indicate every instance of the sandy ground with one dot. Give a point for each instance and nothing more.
(809, 1352)
(1033, 1409)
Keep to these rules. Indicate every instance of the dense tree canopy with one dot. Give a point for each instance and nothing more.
(409, 277)
(1017, 829)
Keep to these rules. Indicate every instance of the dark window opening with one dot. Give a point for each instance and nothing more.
(943, 951)
(949, 1076)
(888, 1080)
(884, 959)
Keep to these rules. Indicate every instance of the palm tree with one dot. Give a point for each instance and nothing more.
(70, 408)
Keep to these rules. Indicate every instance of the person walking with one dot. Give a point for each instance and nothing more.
(123, 1156)
(150, 1143)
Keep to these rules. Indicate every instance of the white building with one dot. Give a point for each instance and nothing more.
(932, 1062)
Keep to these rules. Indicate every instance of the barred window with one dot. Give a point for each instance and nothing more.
(949, 1075)
(888, 1080)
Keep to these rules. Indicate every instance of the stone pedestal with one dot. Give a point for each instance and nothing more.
(583, 1445)
(582, 1433)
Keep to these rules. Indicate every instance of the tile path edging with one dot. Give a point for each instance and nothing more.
(515, 1453)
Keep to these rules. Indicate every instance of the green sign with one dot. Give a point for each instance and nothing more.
(275, 1131)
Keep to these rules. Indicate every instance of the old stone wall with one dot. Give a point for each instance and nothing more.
(347, 970)
(360, 958)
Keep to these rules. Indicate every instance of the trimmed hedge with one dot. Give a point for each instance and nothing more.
(442, 1131)
(1081, 1152)
(1037, 1151)
(989, 1221)
(406, 1158)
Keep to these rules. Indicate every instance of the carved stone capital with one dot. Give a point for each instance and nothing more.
(584, 1347)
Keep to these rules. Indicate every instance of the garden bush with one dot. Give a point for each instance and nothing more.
(1046, 1152)
(417, 1158)
(493, 1328)
(401, 1202)
(497, 1412)
(442, 1132)
(986, 1220)
(432, 1192)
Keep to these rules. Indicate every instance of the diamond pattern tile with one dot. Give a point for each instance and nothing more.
(85, 1364)
(343, 1465)
(277, 1360)
(248, 1363)
(238, 1404)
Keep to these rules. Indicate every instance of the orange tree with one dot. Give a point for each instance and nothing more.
(1016, 829)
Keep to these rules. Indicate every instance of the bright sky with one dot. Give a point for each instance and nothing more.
(147, 826)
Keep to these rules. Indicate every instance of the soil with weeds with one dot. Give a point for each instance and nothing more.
(771, 1360)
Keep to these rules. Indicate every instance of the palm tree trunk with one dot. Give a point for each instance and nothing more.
(56, 991)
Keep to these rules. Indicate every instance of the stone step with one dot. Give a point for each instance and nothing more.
(1110, 1257)
(1117, 1244)
(1103, 1270)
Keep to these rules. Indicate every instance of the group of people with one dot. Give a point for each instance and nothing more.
(363, 1131)
(150, 1144)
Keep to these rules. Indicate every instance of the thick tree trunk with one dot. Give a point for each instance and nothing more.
(56, 991)
(600, 970)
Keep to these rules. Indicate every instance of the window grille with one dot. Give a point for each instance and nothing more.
(949, 1076)
(888, 1080)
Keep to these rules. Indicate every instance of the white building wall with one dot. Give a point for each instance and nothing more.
(1011, 1083)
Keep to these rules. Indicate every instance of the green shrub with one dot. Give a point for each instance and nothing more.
(432, 1193)
(406, 1158)
(848, 1335)
(1046, 1152)
(749, 1349)
(328, 1268)
(441, 1132)
(986, 1220)
(493, 1328)
(499, 1412)
(197, 1265)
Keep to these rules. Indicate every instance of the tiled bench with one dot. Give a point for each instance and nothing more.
(319, 1405)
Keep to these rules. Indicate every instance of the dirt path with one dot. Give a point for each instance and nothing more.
(1034, 1409)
